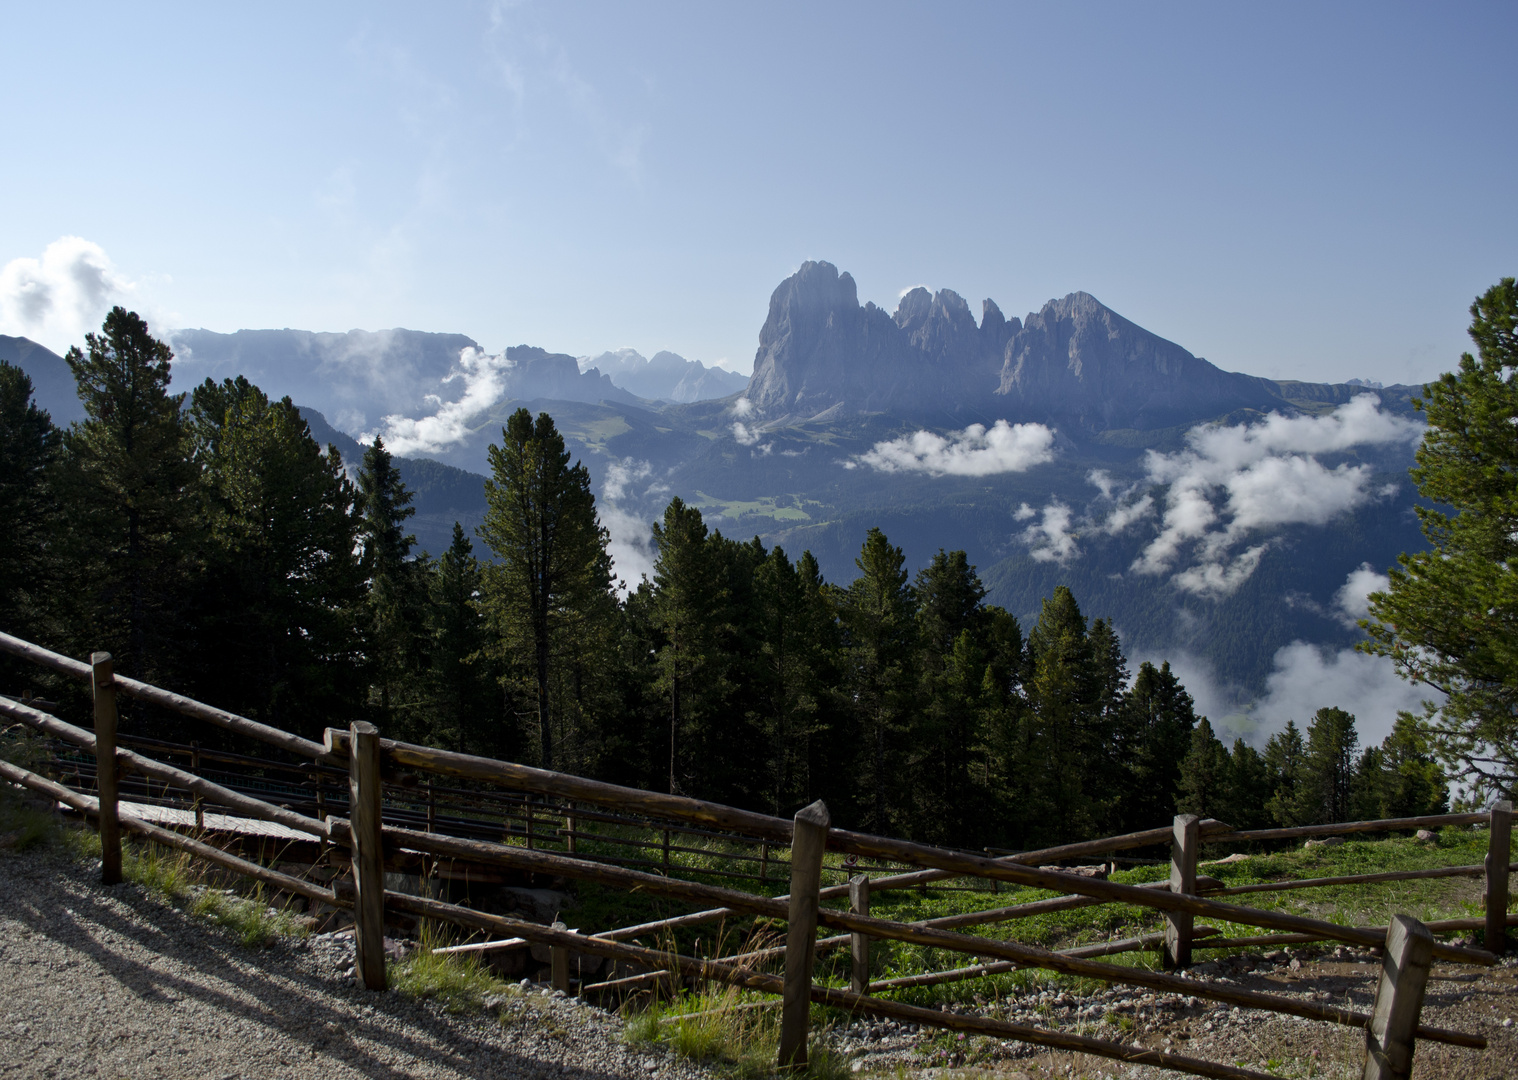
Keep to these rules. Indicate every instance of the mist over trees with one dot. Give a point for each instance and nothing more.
(214, 547)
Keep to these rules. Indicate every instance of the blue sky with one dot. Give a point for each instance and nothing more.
(1313, 191)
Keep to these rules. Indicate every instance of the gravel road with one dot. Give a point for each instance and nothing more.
(115, 982)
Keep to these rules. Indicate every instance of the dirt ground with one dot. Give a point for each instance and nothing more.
(1475, 1000)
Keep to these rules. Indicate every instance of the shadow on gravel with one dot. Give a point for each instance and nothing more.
(72, 911)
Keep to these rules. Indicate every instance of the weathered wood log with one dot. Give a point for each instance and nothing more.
(1178, 924)
(1024, 955)
(841, 999)
(1497, 865)
(1353, 879)
(107, 772)
(558, 964)
(88, 805)
(576, 788)
(1391, 1034)
(859, 945)
(165, 699)
(1427, 821)
(808, 838)
(135, 762)
(368, 856)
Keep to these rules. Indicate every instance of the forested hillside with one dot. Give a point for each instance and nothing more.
(213, 546)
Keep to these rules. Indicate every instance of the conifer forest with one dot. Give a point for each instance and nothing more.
(214, 548)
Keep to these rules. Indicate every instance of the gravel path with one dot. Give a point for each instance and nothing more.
(115, 982)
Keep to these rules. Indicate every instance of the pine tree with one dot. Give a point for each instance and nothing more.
(1160, 719)
(1415, 784)
(128, 487)
(394, 602)
(1249, 789)
(1325, 791)
(465, 696)
(552, 583)
(1065, 711)
(1449, 618)
(876, 612)
(1204, 786)
(1285, 762)
(29, 447)
(277, 611)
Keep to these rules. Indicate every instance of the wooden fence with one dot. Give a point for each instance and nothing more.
(376, 834)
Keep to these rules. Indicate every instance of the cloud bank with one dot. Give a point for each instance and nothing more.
(56, 299)
(1233, 481)
(483, 377)
(975, 451)
(631, 543)
(1353, 598)
(1308, 677)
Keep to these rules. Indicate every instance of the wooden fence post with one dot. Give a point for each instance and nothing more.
(1498, 859)
(558, 963)
(368, 856)
(200, 806)
(107, 776)
(1182, 880)
(808, 839)
(859, 944)
(1399, 1000)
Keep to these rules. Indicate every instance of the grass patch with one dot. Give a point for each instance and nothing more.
(459, 982)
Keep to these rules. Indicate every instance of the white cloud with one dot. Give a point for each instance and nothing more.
(631, 540)
(56, 299)
(1050, 540)
(1124, 516)
(1353, 597)
(1231, 481)
(975, 451)
(484, 379)
(1306, 678)
(1024, 512)
(744, 435)
(742, 407)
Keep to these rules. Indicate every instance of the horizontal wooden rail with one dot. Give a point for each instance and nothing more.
(1353, 879)
(87, 804)
(1027, 955)
(1437, 926)
(212, 792)
(1428, 821)
(167, 699)
(855, 1004)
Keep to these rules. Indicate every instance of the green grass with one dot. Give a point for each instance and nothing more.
(459, 982)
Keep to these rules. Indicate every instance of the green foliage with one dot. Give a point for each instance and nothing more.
(1449, 618)
(128, 484)
(281, 591)
(395, 600)
(1205, 775)
(550, 593)
(29, 447)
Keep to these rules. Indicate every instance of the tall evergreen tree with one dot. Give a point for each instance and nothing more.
(879, 628)
(465, 698)
(129, 492)
(1160, 719)
(553, 580)
(1285, 764)
(1449, 618)
(28, 451)
(1249, 790)
(1325, 794)
(395, 596)
(278, 607)
(1065, 714)
(1204, 785)
(1415, 784)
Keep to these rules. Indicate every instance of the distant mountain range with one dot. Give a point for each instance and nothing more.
(1229, 522)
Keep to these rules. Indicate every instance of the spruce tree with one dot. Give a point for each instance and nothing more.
(394, 600)
(552, 582)
(1249, 789)
(1204, 787)
(880, 632)
(128, 486)
(1285, 761)
(1414, 784)
(465, 703)
(1064, 717)
(1159, 721)
(28, 451)
(1449, 618)
(277, 610)
(1326, 791)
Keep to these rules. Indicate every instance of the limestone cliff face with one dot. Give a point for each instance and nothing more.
(1080, 360)
(823, 355)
